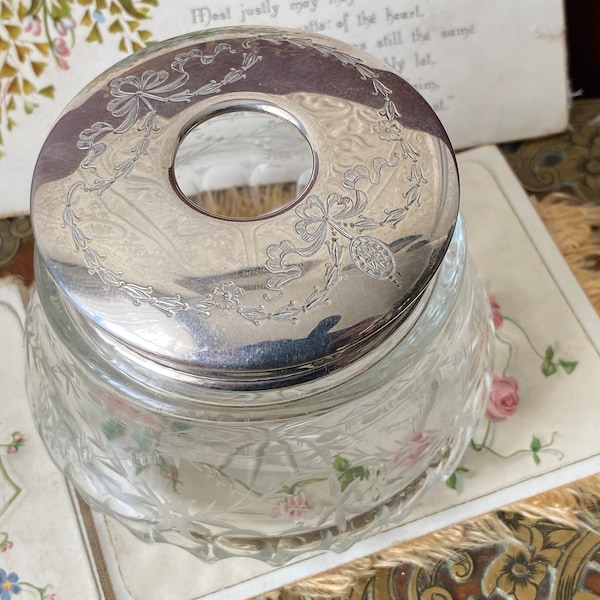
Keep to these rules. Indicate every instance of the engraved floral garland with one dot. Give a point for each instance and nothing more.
(321, 223)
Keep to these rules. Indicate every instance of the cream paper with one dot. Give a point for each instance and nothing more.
(494, 71)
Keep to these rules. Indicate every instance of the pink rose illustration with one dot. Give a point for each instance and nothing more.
(503, 400)
(496, 312)
(421, 442)
(290, 506)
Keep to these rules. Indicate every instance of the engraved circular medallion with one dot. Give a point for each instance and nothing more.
(372, 257)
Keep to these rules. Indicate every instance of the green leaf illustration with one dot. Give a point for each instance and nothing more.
(568, 365)
(14, 31)
(132, 10)
(34, 8)
(43, 47)
(113, 429)
(116, 26)
(548, 368)
(14, 87)
(86, 20)
(29, 107)
(340, 463)
(452, 481)
(94, 35)
(347, 477)
(60, 10)
(5, 11)
(38, 67)
(549, 354)
(47, 91)
(22, 52)
(536, 444)
(347, 473)
(7, 71)
(28, 87)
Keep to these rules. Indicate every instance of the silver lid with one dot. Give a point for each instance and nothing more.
(280, 297)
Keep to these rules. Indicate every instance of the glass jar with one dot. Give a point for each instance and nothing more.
(260, 383)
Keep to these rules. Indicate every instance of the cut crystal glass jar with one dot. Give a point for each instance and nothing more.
(256, 331)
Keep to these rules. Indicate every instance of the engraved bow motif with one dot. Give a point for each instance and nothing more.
(135, 95)
(316, 217)
(318, 221)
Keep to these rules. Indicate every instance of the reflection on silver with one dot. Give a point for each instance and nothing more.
(243, 164)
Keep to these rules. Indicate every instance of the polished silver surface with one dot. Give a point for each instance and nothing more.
(278, 297)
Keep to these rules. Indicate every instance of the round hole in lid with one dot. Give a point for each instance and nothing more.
(243, 164)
